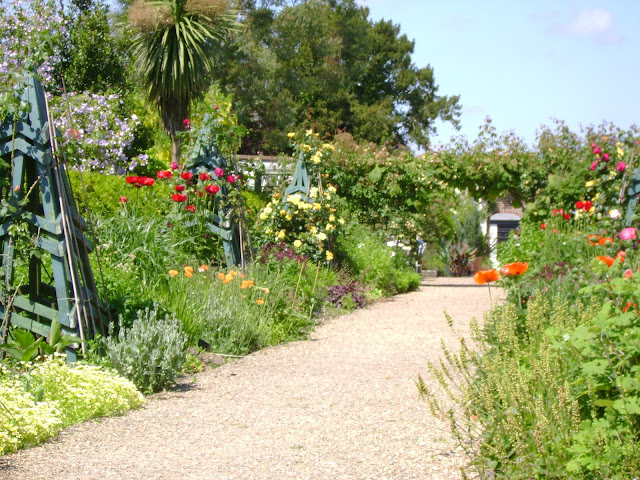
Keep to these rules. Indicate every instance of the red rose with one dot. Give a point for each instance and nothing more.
(186, 175)
(579, 205)
(231, 179)
(587, 205)
(567, 216)
(190, 208)
(204, 176)
(179, 188)
(179, 197)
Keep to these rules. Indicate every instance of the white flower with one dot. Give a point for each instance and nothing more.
(614, 214)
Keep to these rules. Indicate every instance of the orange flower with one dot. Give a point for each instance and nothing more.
(260, 301)
(188, 271)
(604, 240)
(486, 276)
(593, 239)
(265, 290)
(515, 268)
(608, 260)
(173, 273)
(203, 268)
(629, 305)
(221, 275)
(246, 284)
(233, 273)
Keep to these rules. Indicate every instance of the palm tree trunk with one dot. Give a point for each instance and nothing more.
(176, 149)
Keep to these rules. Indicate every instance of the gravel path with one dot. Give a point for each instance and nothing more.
(341, 406)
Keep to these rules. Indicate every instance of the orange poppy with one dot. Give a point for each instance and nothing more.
(604, 240)
(593, 239)
(608, 260)
(486, 276)
(188, 271)
(221, 275)
(246, 284)
(260, 301)
(515, 268)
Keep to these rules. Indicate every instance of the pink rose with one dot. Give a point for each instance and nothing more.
(621, 167)
(597, 150)
(174, 166)
(231, 179)
(594, 165)
(629, 233)
(219, 172)
(605, 157)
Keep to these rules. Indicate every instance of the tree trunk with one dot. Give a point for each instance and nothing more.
(176, 149)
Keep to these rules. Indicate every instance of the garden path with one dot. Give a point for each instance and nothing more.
(341, 406)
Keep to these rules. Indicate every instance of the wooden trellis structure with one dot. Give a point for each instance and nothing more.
(206, 157)
(55, 281)
(633, 192)
(300, 183)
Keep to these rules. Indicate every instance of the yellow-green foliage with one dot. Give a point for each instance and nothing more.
(44, 398)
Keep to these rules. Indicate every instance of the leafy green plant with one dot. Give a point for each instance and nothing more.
(24, 347)
(150, 353)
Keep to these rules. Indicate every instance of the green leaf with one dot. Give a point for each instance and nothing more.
(375, 175)
(54, 333)
(603, 403)
(23, 338)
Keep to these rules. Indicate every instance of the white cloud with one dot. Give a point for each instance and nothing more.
(592, 22)
(596, 23)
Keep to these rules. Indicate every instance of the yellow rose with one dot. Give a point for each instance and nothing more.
(291, 134)
(297, 244)
(329, 255)
(322, 236)
(281, 234)
(589, 184)
(332, 218)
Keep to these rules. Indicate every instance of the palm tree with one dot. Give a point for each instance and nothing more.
(174, 48)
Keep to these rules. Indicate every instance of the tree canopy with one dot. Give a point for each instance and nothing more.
(324, 64)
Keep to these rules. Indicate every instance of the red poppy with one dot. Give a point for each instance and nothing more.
(123, 199)
(543, 226)
(579, 205)
(515, 268)
(131, 180)
(205, 176)
(587, 205)
(164, 174)
(559, 211)
(190, 208)
(608, 260)
(567, 216)
(147, 181)
(179, 197)
(199, 193)
(179, 188)
(212, 189)
(486, 276)
(186, 175)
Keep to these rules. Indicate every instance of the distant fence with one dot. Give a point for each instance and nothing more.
(273, 177)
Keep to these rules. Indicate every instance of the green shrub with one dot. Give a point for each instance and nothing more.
(375, 264)
(150, 353)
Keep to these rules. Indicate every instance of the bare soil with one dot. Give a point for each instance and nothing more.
(342, 405)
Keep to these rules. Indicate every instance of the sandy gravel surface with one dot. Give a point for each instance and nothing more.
(341, 406)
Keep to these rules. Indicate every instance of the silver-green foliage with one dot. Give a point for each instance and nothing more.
(150, 353)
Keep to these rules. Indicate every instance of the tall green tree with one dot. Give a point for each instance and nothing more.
(325, 64)
(175, 46)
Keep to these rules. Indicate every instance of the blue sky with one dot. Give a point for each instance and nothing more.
(526, 63)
